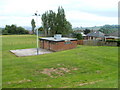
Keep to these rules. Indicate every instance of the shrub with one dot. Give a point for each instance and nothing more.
(79, 36)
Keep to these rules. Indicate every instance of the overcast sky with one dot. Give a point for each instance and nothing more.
(78, 12)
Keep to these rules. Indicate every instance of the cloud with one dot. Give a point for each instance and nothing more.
(88, 19)
(78, 12)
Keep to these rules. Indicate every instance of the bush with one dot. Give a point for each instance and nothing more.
(13, 29)
(78, 36)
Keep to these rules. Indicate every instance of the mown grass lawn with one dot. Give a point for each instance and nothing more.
(82, 67)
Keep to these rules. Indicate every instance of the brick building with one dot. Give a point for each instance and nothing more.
(57, 43)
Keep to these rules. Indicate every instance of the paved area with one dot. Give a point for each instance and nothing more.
(29, 52)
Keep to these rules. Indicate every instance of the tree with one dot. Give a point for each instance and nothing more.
(21, 30)
(55, 23)
(86, 31)
(10, 29)
(68, 28)
(61, 20)
(78, 36)
(5, 32)
(45, 22)
(13, 29)
(33, 25)
(52, 23)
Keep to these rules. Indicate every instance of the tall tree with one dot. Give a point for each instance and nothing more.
(33, 25)
(52, 22)
(55, 23)
(45, 23)
(61, 21)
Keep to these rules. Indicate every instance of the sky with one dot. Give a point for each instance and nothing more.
(80, 13)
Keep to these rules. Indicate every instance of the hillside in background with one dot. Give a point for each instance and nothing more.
(106, 29)
(91, 28)
(114, 27)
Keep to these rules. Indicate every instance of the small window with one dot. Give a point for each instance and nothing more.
(68, 42)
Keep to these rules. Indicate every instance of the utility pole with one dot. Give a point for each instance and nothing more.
(37, 39)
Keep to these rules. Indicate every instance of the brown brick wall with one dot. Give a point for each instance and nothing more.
(62, 46)
(80, 42)
(41, 44)
(58, 46)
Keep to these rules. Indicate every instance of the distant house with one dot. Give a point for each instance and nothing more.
(111, 37)
(96, 35)
(114, 35)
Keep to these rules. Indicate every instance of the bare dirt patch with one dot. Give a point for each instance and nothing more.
(53, 72)
(64, 87)
(93, 82)
(19, 82)
(86, 83)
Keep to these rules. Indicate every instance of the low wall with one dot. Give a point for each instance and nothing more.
(99, 43)
(80, 42)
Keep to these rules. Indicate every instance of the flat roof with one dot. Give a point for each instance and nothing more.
(57, 40)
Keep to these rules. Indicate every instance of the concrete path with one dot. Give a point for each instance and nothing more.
(29, 52)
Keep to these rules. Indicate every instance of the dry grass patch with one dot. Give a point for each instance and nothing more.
(54, 72)
(93, 82)
(20, 82)
(86, 83)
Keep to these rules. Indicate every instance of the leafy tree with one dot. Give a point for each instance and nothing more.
(61, 20)
(68, 28)
(21, 30)
(33, 25)
(10, 29)
(51, 23)
(55, 23)
(86, 31)
(13, 29)
(78, 36)
(45, 23)
(5, 32)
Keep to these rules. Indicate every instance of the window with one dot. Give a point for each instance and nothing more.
(68, 42)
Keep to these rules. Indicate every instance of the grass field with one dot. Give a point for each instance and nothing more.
(82, 67)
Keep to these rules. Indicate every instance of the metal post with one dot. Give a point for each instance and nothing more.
(36, 14)
(37, 34)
